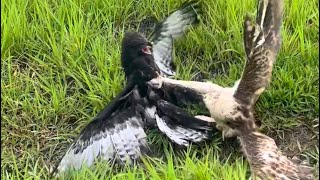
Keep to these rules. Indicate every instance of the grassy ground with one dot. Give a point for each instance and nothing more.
(60, 65)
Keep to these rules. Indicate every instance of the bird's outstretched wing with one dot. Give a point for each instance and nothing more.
(262, 41)
(120, 138)
(116, 136)
(173, 27)
(268, 162)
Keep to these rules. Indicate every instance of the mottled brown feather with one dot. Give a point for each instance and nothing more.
(262, 42)
(266, 160)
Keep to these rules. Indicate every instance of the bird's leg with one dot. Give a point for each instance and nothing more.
(205, 118)
(226, 131)
(155, 83)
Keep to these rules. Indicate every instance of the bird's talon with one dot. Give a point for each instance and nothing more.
(205, 118)
(156, 82)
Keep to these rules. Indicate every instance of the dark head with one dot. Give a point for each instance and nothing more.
(136, 57)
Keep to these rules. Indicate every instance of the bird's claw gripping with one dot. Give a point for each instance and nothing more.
(156, 83)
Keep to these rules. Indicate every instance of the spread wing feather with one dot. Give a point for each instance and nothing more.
(173, 27)
(179, 134)
(119, 138)
(262, 42)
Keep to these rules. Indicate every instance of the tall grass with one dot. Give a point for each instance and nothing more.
(61, 65)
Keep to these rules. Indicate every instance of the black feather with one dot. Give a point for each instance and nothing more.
(128, 110)
(179, 116)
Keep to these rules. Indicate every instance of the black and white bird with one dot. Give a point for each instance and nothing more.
(232, 107)
(117, 132)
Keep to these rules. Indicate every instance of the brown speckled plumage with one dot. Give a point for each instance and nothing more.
(232, 107)
(267, 161)
(261, 41)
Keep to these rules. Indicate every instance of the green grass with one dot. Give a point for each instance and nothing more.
(60, 65)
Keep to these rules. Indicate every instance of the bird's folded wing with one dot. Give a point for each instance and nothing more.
(262, 42)
(120, 138)
(173, 27)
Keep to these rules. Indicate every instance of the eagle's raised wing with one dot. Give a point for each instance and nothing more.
(173, 27)
(262, 41)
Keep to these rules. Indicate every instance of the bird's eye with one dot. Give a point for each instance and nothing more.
(147, 50)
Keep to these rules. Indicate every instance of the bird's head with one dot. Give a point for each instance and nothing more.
(137, 59)
(135, 44)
